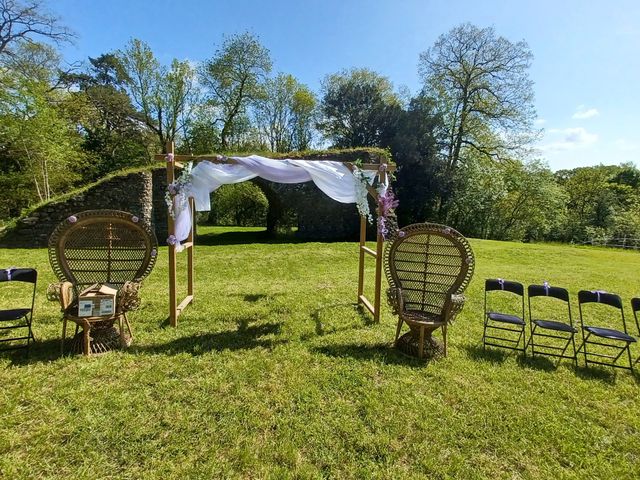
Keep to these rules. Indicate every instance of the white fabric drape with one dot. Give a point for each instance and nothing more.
(332, 177)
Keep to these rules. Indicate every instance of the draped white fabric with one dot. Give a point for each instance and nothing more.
(333, 178)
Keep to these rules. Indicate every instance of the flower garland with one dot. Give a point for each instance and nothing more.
(387, 202)
(387, 220)
(362, 194)
(177, 195)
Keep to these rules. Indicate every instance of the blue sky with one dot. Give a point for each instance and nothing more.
(586, 67)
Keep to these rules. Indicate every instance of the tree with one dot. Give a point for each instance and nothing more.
(113, 131)
(358, 108)
(163, 95)
(40, 146)
(233, 78)
(21, 21)
(484, 93)
(284, 113)
(415, 149)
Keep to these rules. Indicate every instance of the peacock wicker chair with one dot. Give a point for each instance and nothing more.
(428, 267)
(100, 247)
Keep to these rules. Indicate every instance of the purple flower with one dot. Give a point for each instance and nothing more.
(401, 233)
(154, 252)
(135, 219)
(173, 188)
(169, 157)
(172, 240)
(72, 219)
(383, 167)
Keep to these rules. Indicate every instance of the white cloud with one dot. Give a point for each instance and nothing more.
(583, 113)
(538, 122)
(570, 139)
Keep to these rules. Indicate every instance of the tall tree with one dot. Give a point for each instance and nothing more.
(415, 148)
(113, 129)
(233, 78)
(284, 113)
(163, 95)
(39, 143)
(28, 21)
(357, 108)
(483, 89)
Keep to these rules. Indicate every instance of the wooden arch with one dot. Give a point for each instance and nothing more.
(175, 308)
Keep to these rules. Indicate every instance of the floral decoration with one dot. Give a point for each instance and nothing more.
(177, 195)
(72, 219)
(387, 221)
(362, 194)
(172, 240)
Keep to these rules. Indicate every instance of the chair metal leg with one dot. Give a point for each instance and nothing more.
(421, 346)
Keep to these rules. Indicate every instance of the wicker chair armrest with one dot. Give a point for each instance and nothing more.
(455, 305)
(129, 297)
(395, 300)
(62, 292)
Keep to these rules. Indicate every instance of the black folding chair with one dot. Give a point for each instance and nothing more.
(17, 319)
(499, 322)
(608, 338)
(635, 308)
(552, 329)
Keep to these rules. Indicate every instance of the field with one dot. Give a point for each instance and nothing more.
(275, 373)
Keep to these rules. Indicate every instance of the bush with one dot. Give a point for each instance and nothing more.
(242, 204)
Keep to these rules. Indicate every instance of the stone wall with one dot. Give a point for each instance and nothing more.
(130, 193)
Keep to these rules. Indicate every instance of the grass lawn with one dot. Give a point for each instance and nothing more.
(275, 373)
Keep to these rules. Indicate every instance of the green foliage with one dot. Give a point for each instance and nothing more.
(273, 373)
(481, 83)
(162, 95)
(285, 113)
(508, 201)
(603, 201)
(241, 204)
(358, 108)
(40, 146)
(100, 106)
(233, 79)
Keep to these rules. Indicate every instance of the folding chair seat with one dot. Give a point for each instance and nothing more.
(605, 337)
(498, 322)
(14, 321)
(552, 329)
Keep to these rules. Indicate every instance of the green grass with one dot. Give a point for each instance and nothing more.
(274, 373)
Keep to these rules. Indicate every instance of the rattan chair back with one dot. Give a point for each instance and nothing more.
(102, 246)
(429, 262)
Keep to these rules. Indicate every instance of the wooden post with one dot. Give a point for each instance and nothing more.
(363, 240)
(173, 306)
(379, 254)
(191, 248)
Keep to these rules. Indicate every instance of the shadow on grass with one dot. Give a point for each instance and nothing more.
(381, 352)
(260, 237)
(601, 374)
(240, 238)
(492, 355)
(365, 316)
(40, 352)
(540, 362)
(245, 338)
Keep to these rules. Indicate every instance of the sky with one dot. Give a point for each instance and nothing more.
(586, 66)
